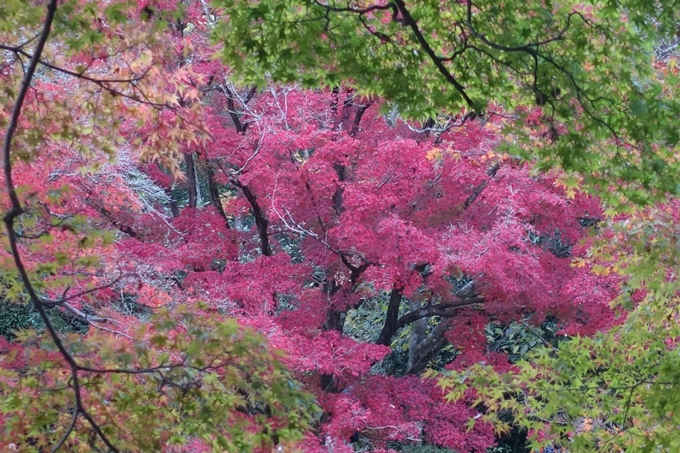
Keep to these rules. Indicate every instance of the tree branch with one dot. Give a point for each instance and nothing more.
(16, 210)
(480, 188)
(360, 11)
(529, 48)
(444, 310)
(67, 433)
(102, 83)
(438, 61)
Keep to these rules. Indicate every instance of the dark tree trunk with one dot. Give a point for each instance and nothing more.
(191, 179)
(172, 204)
(260, 219)
(390, 326)
(214, 192)
(357, 119)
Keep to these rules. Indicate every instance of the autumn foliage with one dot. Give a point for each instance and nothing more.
(184, 219)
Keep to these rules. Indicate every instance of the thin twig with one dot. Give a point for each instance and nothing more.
(67, 433)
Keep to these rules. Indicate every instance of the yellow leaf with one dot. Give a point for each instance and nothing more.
(434, 154)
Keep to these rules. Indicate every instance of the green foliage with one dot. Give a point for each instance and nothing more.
(182, 376)
(21, 316)
(589, 65)
(500, 449)
(15, 317)
(365, 323)
(416, 448)
(615, 391)
(518, 338)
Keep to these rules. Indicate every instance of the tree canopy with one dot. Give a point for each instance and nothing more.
(329, 226)
(591, 66)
